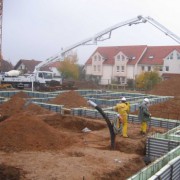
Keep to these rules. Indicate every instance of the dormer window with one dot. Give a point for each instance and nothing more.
(118, 57)
(99, 58)
(151, 57)
(132, 58)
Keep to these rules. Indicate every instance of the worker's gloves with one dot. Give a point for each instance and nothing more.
(120, 118)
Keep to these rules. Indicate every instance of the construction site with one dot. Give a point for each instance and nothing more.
(58, 135)
(55, 131)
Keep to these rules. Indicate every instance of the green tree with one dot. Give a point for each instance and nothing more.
(69, 67)
(147, 80)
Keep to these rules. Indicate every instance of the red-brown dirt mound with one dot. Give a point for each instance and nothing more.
(169, 87)
(70, 99)
(12, 106)
(35, 109)
(168, 110)
(17, 104)
(27, 132)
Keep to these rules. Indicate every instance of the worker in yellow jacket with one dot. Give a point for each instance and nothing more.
(123, 109)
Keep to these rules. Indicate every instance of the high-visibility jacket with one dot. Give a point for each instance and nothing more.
(123, 109)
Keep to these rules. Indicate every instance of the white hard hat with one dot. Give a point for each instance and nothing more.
(123, 99)
(146, 100)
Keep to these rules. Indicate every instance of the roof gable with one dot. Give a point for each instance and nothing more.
(29, 64)
(132, 52)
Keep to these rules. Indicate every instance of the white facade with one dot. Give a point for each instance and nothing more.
(120, 71)
(131, 72)
(172, 63)
(107, 74)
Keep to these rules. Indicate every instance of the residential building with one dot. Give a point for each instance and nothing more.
(28, 66)
(120, 63)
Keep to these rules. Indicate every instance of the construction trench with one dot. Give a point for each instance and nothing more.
(43, 136)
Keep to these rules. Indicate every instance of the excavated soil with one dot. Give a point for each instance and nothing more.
(38, 144)
(171, 108)
(70, 99)
(169, 87)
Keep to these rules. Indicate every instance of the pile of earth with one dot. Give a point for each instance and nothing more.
(169, 87)
(169, 109)
(19, 103)
(24, 131)
(70, 99)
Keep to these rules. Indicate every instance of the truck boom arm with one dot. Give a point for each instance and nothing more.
(100, 37)
(162, 28)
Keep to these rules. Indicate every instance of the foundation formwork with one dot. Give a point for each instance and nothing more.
(162, 150)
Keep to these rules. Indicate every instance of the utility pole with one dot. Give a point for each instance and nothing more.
(1, 14)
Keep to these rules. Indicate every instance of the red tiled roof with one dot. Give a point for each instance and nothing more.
(157, 54)
(30, 64)
(110, 52)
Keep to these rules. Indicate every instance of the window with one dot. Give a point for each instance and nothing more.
(94, 68)
(133, 57)
(47, 75)
(123, 58)
(99, 57)
(167, 68)
(142, 68)
(117, 68)
(122, 68)
(122, 80)
(40, 75)
(149, 68)
(118, 57)
(171, 56)
(151, 57)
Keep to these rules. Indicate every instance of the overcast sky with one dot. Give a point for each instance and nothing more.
(38, 29)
